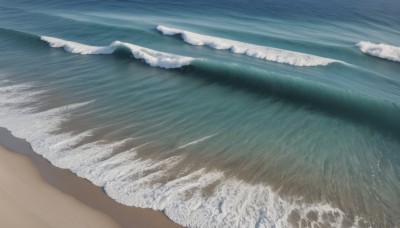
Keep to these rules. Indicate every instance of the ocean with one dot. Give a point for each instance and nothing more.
(218, 113)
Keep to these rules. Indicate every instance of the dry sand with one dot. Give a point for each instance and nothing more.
(26, 200)
(33, 193)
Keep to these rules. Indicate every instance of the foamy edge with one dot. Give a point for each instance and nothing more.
(232, 204)
(151, 57)
(383, 51)
(256, 51)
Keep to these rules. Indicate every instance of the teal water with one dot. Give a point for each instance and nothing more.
(302, 130)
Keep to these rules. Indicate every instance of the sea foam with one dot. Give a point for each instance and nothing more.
(135, 181)
(383, 51)
(151, 57)
(256, 51)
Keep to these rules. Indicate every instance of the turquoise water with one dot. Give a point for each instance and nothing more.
(234, 114)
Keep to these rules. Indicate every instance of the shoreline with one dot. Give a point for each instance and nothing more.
(26, 200)
(74, 188)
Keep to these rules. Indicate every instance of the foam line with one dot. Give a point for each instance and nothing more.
(147, 183)
(196, 141)
(383, 51)
(151, 57)
(256, 51)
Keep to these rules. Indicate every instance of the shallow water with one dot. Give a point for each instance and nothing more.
(258, 115)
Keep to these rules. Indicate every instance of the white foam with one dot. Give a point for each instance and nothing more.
(77, 48)
(261, 52)
(151, 57)
(143, 182)
(196, 141)
(383, 51)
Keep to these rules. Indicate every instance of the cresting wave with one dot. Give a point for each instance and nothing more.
(357, 107)
(256, 51)
(140, 182)
(374, 112)
(383, 51)
(151, 57)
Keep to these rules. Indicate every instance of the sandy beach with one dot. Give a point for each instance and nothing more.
(33, 193)
(26, 200)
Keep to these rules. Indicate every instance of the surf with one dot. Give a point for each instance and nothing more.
(331, 100)
(377, 113)
(252, 50)
(135, 181)
(380, 50)
(132, 179)
(151, 57)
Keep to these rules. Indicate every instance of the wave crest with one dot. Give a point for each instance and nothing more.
(383, 51)
(151, 57)
(256, 51)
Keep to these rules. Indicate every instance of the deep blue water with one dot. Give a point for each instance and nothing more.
(287, 121)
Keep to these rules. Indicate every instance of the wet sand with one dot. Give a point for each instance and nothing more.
(33, 193)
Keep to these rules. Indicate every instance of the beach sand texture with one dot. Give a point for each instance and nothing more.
(26, 200)
(33, 193)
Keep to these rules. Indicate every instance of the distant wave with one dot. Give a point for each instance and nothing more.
(347, 104)
(380, 114)
(260, 52)
(383, 51)
(151, 57)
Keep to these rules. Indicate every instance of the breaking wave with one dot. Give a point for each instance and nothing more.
(186, 198)
(151, 57)
(256, 51)
(383, 51)
(378, 113)
(374, 112)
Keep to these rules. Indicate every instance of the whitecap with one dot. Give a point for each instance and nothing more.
(151, 57)
(383, 51)
(252, 50)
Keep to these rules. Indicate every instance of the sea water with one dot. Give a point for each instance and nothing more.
(218, 113)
